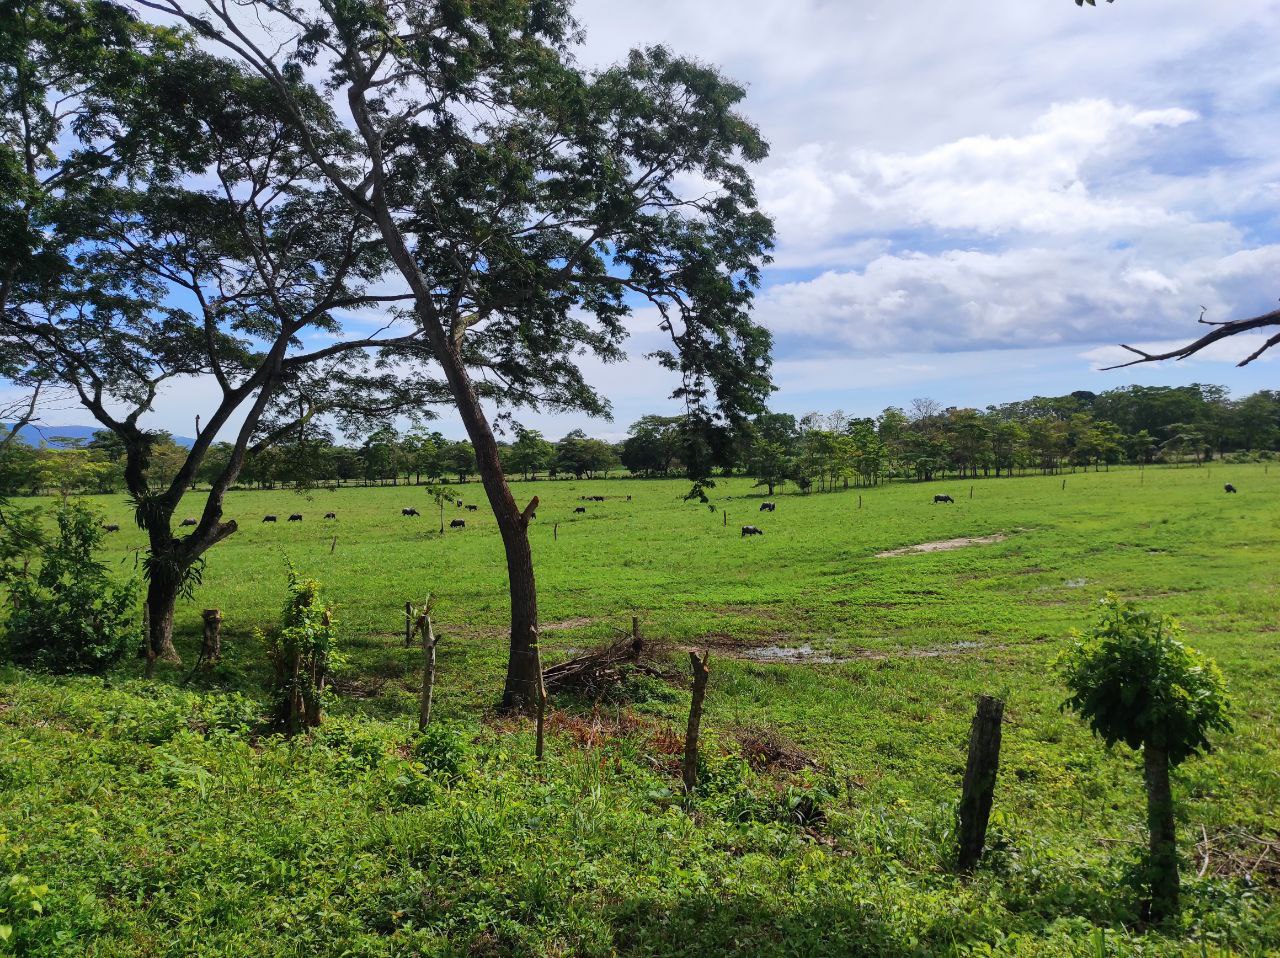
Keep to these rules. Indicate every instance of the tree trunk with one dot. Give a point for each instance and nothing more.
(162, 597)
(1162, 864)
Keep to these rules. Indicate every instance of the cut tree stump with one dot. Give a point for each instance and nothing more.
(211, 643)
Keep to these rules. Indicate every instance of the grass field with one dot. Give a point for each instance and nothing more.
(163, 826)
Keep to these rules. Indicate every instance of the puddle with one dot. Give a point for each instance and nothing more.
(788, 653)
(945, 545)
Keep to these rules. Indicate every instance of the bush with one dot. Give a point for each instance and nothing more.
(70, 616)
(441, 752)
(301, 652)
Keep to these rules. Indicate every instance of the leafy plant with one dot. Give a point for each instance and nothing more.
(70, 615)
(1133, 681)
(301, 654)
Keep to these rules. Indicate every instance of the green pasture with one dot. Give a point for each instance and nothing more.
(163, 827)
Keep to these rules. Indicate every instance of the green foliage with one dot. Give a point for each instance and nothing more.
(301, 652)
(70, 615)
(1133, 681)
(442, 751)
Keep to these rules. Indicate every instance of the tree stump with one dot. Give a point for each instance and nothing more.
(700, 675)
(979, 782)
(211, 643)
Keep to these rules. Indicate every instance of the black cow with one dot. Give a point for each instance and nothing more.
(459, 503)
(597, 498)
(752, 531)
(628, 498)
(331, 515)
(110, 528)
(580, 509)
(1229, 487)
(410, 512)
(186, 522)
(296, 517)
(457, 523)
(937, 499)
(472, 508)
(268, 518)
(768, 506)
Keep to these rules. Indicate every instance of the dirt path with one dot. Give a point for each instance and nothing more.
(945, 545)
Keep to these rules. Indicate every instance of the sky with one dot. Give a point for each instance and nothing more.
(975, 202)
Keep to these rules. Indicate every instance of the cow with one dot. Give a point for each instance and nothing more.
(457, 523)
(331, 515)
(296, 517)
(187, 522)
(580, 509)
(937, 499)
(1229, 488)
(268, 518)
(112, 527)
(410, 512)
(597, 498)
(628, 498)
(458, 503)
(472, 508)
(768, 506)
(752, 531)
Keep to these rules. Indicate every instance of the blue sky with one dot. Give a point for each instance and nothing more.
(976, 202)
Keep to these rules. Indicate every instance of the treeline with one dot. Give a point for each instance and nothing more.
(1135, 424)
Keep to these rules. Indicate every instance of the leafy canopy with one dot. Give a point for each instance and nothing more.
(1133, 681)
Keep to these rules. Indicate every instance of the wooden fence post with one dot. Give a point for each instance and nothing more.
(1064, 485)
(971, 492)
(555, 532)
(859, 502)
(542, 715)
(726, 517)
(700, 675)
(429, 640)
(979, 781)
(408, 624)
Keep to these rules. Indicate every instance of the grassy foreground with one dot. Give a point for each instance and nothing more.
(161, 824)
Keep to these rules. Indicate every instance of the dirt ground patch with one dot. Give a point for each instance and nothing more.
(944, 545)
(806, 654)
(575, 623)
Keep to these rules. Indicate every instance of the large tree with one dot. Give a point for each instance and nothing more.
(169, 232)
(528, 204)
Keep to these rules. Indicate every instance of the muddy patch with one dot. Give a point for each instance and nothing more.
(944, 545)
(807, 655)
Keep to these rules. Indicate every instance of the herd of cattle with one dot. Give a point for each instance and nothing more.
(461, 523)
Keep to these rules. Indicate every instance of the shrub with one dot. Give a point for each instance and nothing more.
(70, 616)
(441, 751)
(301, 652)
(1133, 681)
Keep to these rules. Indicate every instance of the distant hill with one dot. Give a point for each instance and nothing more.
(50, 435)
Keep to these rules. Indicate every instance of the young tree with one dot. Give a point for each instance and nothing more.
(527, 204)
(1133, 681)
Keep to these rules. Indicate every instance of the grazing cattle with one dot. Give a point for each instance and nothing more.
(457, 523)
(768, 506)
(597, 498)
(110, 528)
(409, 512)
(472, 508)
(580, 509)
(268, 518)
(1229, 488)
(186, 522)
(628, 498)
(296, 517)
(937, 499)
(331, 515)
(752, 531)
(459, 503)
